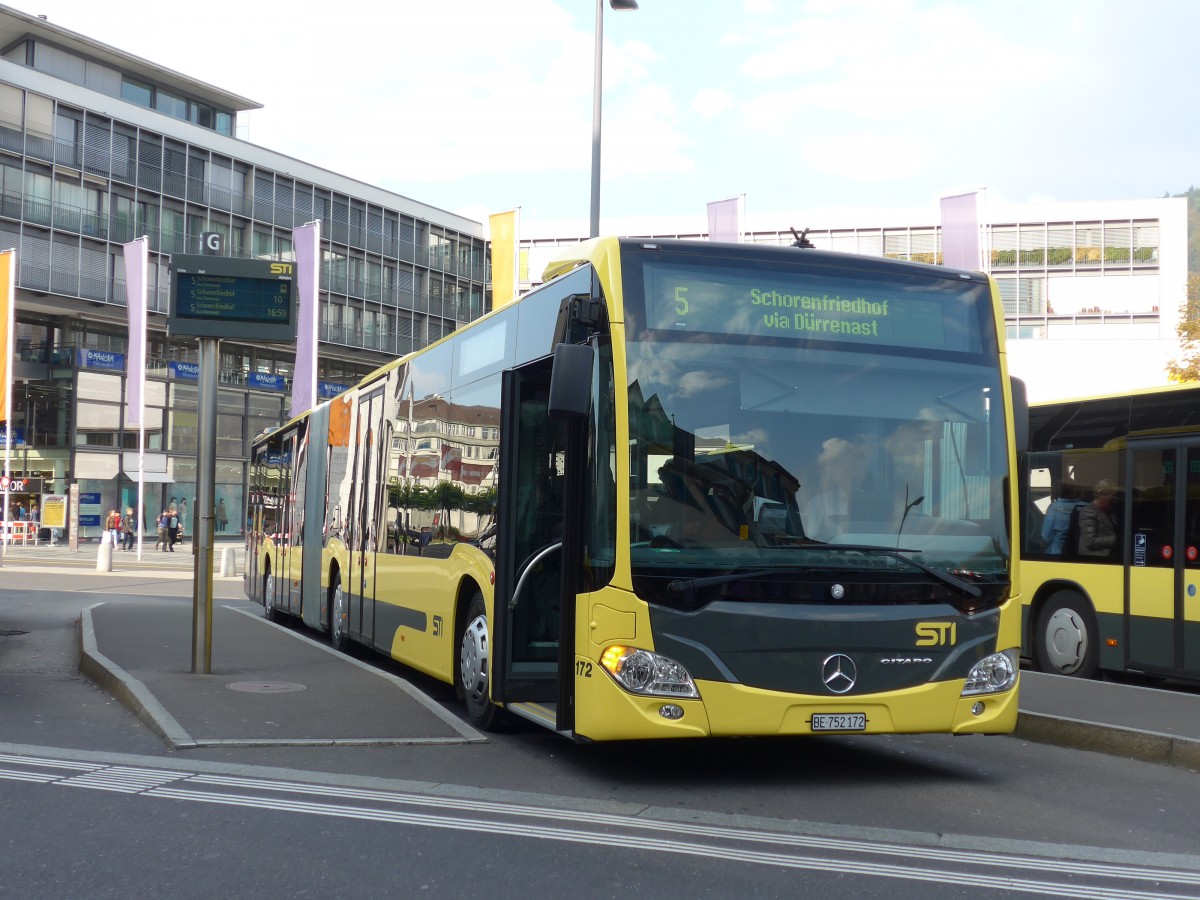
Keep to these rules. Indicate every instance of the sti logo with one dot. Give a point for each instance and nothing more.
(936, 634)
(281, 268)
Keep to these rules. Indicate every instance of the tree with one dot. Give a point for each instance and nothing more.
(1188, 367)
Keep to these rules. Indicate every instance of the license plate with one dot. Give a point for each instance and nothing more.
(839, 721)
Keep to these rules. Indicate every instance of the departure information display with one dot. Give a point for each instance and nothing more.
(214, 296)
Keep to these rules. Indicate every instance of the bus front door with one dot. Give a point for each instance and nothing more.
(530, 523)
(1162, 551)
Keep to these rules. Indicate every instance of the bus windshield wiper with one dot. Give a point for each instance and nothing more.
(941, 575)
(680, 585)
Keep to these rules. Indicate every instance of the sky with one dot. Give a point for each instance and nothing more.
(480, 106)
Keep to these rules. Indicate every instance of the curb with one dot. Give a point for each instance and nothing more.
(1147, 746)
(127, 689)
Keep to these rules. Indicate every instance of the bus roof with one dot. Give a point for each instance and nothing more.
(1133, 392)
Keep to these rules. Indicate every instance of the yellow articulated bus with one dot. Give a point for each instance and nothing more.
(683, 489)
(1110, 498)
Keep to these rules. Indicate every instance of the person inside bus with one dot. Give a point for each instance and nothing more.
(843, 468)
(1097, 530)
(1058, 520)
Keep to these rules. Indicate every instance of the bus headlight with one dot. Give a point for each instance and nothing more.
(643, 672)
(992, 674)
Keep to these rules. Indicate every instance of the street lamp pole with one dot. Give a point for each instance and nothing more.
(594, 224)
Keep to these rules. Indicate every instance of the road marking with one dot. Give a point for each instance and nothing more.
(1046, 875)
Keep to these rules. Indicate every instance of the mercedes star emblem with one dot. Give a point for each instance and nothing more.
(838, 673)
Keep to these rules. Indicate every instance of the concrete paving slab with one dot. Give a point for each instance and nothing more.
(268, 685)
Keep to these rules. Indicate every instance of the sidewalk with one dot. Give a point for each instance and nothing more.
(269, 686)
(89, 553)
(1153, 724)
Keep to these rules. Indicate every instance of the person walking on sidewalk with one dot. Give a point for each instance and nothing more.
(172, 529)
(113, 526)
(160, 525)
(128, 529)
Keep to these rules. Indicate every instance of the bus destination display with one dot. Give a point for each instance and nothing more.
(214, 296)
(771, 303)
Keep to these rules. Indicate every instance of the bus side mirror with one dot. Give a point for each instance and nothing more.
(1020, 403)
(571, 381)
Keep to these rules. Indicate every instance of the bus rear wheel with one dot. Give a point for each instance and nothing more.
(475, 667)
(1066, 636)
(269, 596)
(339, 639)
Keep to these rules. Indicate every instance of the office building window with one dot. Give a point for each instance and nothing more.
(136, 91)
(171, 105)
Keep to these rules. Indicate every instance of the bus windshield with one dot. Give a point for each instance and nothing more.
(814, 418)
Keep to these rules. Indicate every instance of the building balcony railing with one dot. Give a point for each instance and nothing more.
(1078, 257)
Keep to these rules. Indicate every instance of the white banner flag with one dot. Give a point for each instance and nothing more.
(960, 231)
(137, 267)
(725, 220)
(307, 241)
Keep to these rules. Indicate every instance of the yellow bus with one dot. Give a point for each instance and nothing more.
(1110, 491)
(683, 489)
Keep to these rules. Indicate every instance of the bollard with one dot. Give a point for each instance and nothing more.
(104, 556)
(228, 562)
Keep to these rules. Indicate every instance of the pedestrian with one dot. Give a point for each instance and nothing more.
(222, 516)
(172, 529)
(128, 529)
(160, 525)
(113, 527)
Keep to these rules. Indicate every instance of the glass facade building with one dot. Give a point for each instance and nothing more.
(98, 148)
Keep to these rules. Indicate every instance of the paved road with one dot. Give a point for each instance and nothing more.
(857, 816)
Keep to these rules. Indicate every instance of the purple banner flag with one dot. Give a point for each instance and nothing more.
(960, 231)
(725, 220)
(137, 267)
(307, 240)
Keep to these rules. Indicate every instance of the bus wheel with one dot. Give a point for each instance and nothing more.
(474, 664)
(1066, 637)
(268, 595)
(338, 637)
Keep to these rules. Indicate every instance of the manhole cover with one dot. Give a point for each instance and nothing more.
(265, 687)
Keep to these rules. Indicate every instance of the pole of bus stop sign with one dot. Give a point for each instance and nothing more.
(206, 477)
(4, 519)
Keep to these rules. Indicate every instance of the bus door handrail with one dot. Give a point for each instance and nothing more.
(537, 557)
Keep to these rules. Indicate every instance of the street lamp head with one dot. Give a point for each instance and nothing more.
(623, 4)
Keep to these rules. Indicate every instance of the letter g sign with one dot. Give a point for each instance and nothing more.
(212, 243)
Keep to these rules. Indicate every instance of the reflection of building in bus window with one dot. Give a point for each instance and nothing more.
(908, 448)
(843, 468)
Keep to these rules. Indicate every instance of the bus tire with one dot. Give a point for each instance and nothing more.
(1066, 636)
(339, 636)
(475, 667)
(268, 596)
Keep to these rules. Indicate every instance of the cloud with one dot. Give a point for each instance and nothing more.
(869, 156)
(712, 102)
